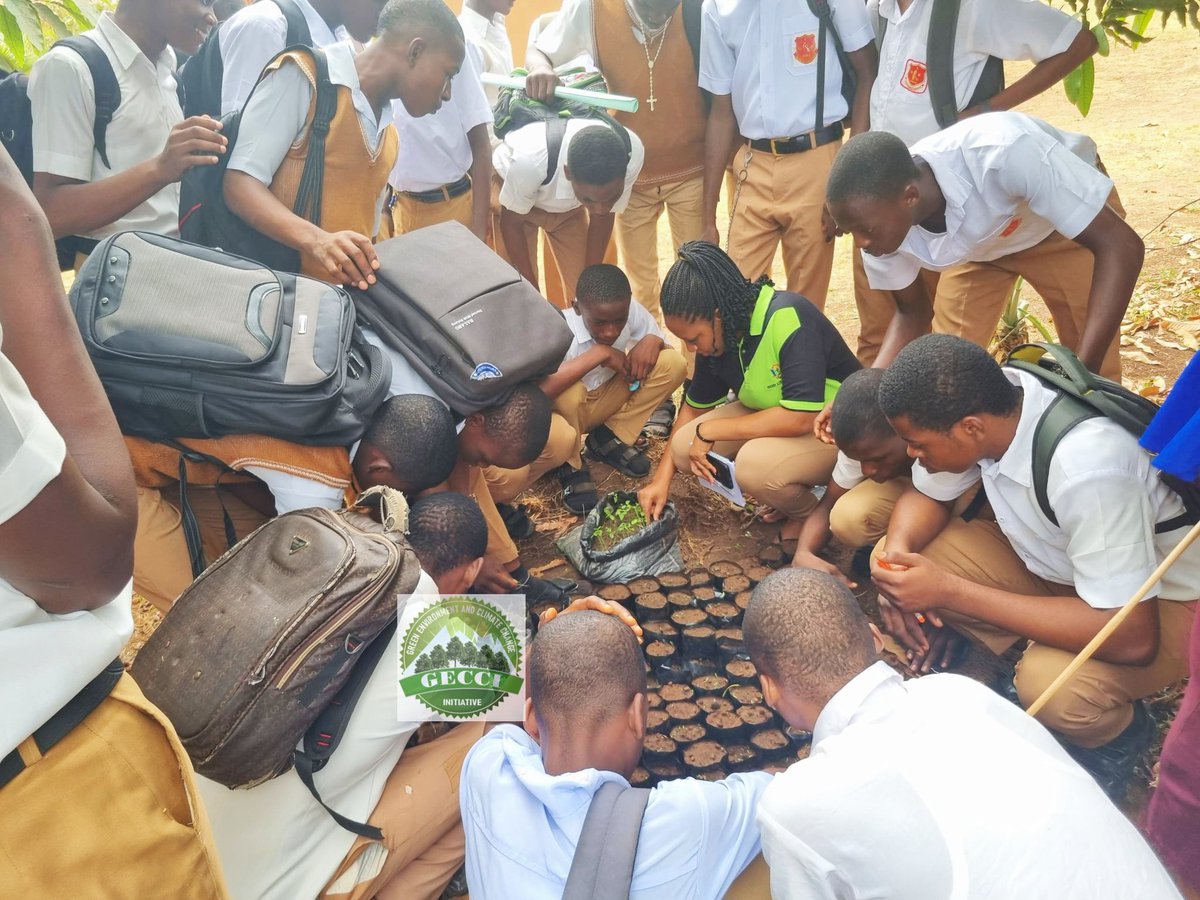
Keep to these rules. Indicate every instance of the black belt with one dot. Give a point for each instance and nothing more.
(801, 142)
(64, 721)
(442, 194)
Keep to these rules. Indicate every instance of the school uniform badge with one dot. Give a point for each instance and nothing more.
(806, 48)
(914, 78)
(1013, 224)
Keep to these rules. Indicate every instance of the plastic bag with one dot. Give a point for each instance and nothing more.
(654, 550)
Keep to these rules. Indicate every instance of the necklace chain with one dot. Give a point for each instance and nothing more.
(646, 40)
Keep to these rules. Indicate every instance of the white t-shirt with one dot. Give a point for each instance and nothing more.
(64, 112)
(639, 325)
(47, 658)
(938, 788)
(253, 37)
(847, 472)
(490, 36)
(522, 161)
(274, 120)
(275, 841)
(764, 55)
(1010, 181)
(1106, 496)
(434, 150)
(1008, 29)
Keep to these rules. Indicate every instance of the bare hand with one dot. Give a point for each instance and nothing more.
(347, 256)
(644, 357)
(653, 498)
(615, 360)
(540, 84)
(493, 578)
(821, 426)
(196, 141)
(805, 560)
(597, 604)
(710, 234)
(945, 644)
(912, 582)
(829, 228)
(698, 457)
(904, 627)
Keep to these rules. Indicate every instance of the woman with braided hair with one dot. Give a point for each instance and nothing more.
(782, 359)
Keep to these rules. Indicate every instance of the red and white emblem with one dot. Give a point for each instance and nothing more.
(806, 48)
(914, 77)
(1013, 224)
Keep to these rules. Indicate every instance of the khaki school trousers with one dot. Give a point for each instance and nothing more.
(409, 214)
(111, 810)
(876, 308)
(778, 471)
(614, 405)
(1096, 704)
(566, 233)
(500, 546)
(423, 842)
(162, 568)
(780, 201)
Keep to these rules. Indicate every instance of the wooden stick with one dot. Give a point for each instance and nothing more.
(590, 98)
(1115, 622)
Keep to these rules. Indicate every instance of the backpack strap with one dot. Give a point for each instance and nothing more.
(939, 61)
(556, 133)
(820, 9)
(297, 25)
(603, 865)
(692, 13)
(187, 516)
(312, 179)
(105, 87)
(1063, 414)
(880, 23)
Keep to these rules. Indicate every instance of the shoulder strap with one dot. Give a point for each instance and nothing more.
(556, 133)
(297, 25)
(312, 179)
(939, 61)
(1063, 414)
(881, 24)
(187, 516)
(105, 87)
(692, 11)
(603, 865)
(820, 9)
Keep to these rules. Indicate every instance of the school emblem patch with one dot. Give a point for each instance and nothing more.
(806, 48)
(776, 372)
(1013, 224)
(914, 77)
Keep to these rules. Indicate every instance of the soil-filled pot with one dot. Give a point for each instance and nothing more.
(676, 693)
(644, 585)
(704, 756)
(639, 778)
(659, 748)
(650, 606)
(771, 744)
(618, 593)
(772, 556)
(700, 642)
(741, 671)
(704, 595)
(660, 630)
(699, 666)
(654, 700)
(709, 705)
(756, 717)
(667, 771)
(723, 569)
(722, 614)
(651, 550)
(699, 578)
(718, 774)
(726, 727)
(742, 600)
(677, 600)
(735, 584)
(746, 695)
(686, 618)
(710, 685)
(683, 712)
(657, 721)
(672, 581)
(797, 737)
(757, 573)
(741, 758)
(686, 735)
(673, 672)
(658, 653)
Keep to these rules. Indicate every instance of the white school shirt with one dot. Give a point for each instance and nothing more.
(939, 789)
(274, 840)
(763, 54)
(1008, 29)
(490, 36)
(63, 100)
(434, 149)
(252, 37)
(47, 658)
(274, 119)
(847, 472)
(571, 34)
(1107, 498)
(522, 160)
(639, 325)
(522, 826)
(1010, 181)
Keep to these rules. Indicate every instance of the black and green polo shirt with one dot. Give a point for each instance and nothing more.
(793, 357)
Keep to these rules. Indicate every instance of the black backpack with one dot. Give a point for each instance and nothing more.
(204, 73)
(1084, 395)
(826, 30)
(939, 63)
(515, 109)
(204, 217)
(16, 124)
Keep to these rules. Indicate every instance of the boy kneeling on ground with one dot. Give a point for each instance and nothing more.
(616, 372)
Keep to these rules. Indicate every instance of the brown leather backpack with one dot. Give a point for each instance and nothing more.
(289, 620)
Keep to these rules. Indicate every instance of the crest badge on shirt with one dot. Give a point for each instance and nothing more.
(805, 50)
(914, 79)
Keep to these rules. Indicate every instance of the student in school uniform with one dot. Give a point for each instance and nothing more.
(575, 204)
(419, 50)
(256, 34)
(1116, 520)
(443, 170)
(132, 183)
(901, 100)
(482, 22)
(760, 62)
(616, 372)
(1009, 193)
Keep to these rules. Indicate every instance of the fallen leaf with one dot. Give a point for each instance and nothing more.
(1139, 356)
(1153, 387)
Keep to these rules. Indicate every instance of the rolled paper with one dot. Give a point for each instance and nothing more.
(589, 98)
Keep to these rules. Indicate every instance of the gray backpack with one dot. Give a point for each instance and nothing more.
(190, 341)
(603, 865)
(466, 321)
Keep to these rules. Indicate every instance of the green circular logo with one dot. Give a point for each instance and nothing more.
(460, 657)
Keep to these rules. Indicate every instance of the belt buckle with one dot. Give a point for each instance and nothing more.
(774, 151)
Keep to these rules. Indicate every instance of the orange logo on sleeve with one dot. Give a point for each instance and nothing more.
(1013, 224)
(806, 48)
(914, 77)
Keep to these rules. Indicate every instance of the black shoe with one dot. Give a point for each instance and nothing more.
(516, 521)
(579, 491)
(606, 447)
(661, 420)
(1113, 764)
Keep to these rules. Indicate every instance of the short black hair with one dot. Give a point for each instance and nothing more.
(415, 433)
(521, 422)
(874, 165)
(584, 668)
(705, 279)
(856, 414)
(805, 629)
(603, 283)
(446, 530)
(939, 379)
(597, 156)
(424, 18)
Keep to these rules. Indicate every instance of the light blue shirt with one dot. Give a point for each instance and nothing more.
(522, 826)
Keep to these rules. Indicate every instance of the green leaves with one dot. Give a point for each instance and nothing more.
(1080, 85)
(28, 28)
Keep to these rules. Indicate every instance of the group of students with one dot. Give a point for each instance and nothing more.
(927, 452)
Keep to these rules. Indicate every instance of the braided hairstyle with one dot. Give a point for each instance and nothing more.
(703, 281)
